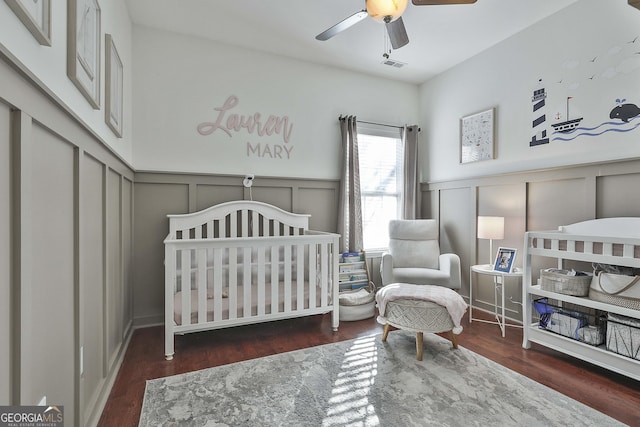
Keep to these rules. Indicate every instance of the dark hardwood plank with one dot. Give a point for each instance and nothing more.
(611, 393)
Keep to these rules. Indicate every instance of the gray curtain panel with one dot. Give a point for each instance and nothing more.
(410, 201)
(350, 207)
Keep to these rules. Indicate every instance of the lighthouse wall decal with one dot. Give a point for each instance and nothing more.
(539, 116)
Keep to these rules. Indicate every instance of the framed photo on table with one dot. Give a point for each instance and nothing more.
(504, 260)
(113, 89)
(83, 48)
(36, 17)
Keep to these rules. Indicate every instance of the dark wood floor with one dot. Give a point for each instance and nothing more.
(613, 394)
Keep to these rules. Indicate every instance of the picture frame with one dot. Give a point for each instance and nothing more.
(113, 87)
(505, 258)
(83, 48)
(35, 16)
(477, 136)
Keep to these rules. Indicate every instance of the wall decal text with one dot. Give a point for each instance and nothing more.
(233, 122)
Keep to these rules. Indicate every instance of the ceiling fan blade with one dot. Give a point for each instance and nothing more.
(397, 33)
(342, 25)
(440, 2)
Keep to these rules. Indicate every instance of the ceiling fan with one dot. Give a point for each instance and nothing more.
(389, 12)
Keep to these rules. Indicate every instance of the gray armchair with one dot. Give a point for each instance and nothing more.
(414, 256)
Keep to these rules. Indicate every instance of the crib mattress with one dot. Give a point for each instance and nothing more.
(255, 303)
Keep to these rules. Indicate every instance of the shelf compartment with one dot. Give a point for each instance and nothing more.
(596, 355)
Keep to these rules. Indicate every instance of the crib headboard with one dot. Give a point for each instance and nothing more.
(242, 218)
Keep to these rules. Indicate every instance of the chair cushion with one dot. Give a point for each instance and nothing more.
(413, 253)
(414, 243)
(420, 276)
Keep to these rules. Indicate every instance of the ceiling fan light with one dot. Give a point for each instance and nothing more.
(380, 9)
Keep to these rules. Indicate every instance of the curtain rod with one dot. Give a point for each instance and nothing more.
(374, 123)
(380, 124)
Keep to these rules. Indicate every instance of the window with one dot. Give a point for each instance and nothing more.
(381, 153)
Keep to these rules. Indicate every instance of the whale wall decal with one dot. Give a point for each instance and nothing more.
(625, 112)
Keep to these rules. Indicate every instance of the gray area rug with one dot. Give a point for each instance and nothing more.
(363, 382)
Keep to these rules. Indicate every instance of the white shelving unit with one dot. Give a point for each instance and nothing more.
(353, 274)
(613, 241)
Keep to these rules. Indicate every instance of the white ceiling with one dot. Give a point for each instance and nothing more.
(440, 36)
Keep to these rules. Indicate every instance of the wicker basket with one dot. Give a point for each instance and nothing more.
(561, 282)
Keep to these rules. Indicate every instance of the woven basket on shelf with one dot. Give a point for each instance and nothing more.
(559, 281)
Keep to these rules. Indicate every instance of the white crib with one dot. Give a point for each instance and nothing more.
(246, 262)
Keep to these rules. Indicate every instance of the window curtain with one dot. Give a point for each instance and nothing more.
(410, 201)
(350, 205)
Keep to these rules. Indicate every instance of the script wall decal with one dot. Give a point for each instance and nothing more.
(232, 123)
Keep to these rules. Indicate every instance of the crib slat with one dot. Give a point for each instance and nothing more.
(185, 286)
(324, 271)
(246, 282)
(217, 284)
(313, 254)
(233, 283)
(233, 226)
(275, 272)
(202, 284)
(276, 228)
(255, 224)
(244, 223)
(287, 278)
(265, 226)
(261, 281)
(300, 276)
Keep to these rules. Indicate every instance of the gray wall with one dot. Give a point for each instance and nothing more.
(538, 200)
(66, 294)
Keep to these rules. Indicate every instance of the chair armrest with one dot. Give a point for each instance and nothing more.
(450, 264)
(386, 268)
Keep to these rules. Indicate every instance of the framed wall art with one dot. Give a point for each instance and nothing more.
(504, 259)
(36, 17)
(83, 49)
(113, 86)
(476, 136)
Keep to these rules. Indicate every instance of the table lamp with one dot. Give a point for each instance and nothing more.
(491, 227)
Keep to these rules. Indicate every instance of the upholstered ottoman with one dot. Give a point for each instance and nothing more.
(419, 309)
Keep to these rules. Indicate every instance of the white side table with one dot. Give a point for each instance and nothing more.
(498, 283)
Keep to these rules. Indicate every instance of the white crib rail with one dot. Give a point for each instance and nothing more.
(227, 250)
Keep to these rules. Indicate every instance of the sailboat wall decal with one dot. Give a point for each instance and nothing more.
(567, 125)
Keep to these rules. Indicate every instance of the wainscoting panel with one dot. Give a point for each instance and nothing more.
(455, 227)
(92, 289)
(210, 195)
(48, 316)
(126, 256)
(508, 201)
(115, 290)
(153, 201)
(6, 306)
(558, 202)
(618, 195)
(309, 199)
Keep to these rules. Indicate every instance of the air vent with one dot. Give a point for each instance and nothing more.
(394, 64)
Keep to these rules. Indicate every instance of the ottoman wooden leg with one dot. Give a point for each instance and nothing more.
(419, 337)
(385, 334)
(454, 340)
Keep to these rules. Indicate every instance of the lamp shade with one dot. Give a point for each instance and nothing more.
(491, 227)
(381, 9)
